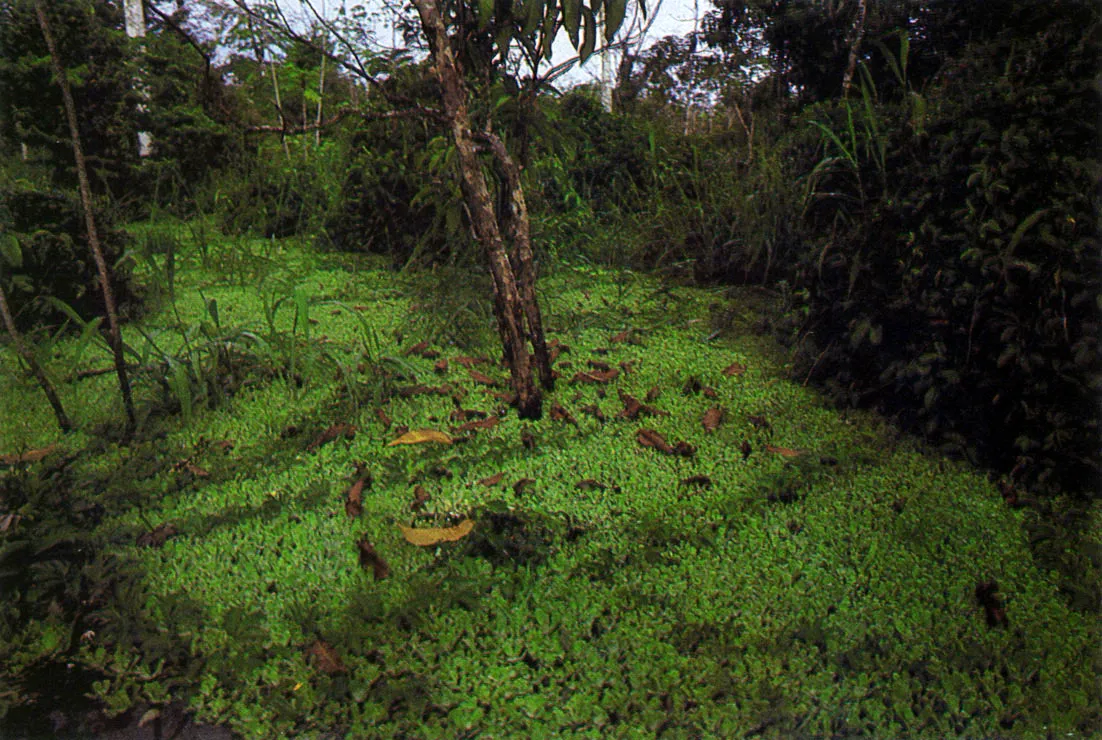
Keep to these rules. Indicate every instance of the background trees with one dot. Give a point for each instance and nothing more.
(929, 232)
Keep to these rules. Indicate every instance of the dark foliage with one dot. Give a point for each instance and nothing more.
(56, 260)
(955, 282)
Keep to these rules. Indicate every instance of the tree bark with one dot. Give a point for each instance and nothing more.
(36, 369)
(854, 47)
(508, 303)
(135, 29)
(114, 332)
(522, 259)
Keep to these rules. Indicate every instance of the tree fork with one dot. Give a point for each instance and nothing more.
(508, 303)
(114, 332)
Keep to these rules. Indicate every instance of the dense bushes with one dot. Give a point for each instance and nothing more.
(54, 257)
(952, 269)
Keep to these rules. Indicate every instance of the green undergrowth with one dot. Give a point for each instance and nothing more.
(803, 573)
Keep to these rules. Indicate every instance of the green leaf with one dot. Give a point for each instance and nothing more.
(590, 39)
(614, 17)
(10, 251)
(572, 19)
(533, 13)
(485, 13)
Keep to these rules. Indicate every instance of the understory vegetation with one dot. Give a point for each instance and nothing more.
(769, 564)
(821, 295)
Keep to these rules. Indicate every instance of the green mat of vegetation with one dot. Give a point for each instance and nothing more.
(686, 543)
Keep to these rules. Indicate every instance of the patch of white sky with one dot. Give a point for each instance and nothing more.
(664, 18)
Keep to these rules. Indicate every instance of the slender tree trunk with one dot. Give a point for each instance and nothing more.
(36, 369)
(854, 48)
(135, 29)
(321, 99)
(522, 259)
(114, 331)
(509, 305)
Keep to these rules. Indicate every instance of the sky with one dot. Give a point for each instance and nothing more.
(674, 17)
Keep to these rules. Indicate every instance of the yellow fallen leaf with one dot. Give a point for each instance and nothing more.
(418, 436)
(428, 536)
(27, 457)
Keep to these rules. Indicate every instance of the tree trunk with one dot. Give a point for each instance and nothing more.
(135, 29)
(509, 306)
(522, 258)
(854, 47)
(36, 369)
(114, 332)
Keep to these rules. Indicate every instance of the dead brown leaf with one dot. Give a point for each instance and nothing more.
(493, 480)
(481, 377)
(420, 498)
(420, 436)
(633, 408)
(651, 438)
(417, 349)
(709, 392)
(383, 418)
(337, 430)
(783, 451)
(29, 456)
(596, 376)
(735, 368)
(697, 480)
(326, 658)
(620, 337)
(469, 362)
(461, 414)
(603, 367)
(9, 520)
(371, 559)
(353, 500)
(652, 395)
(428, 536)
(595, 411)
(441, 366)
(713, 417)
(470, 426)
(559, 413)
(520, 486)
(527, 439)
(157, 536)
(746, 449)
(589, 484)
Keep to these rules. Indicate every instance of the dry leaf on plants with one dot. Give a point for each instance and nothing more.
(713, 417)
(28, 456)
(595, 411)
(383, 418)
(157, 536)
(326, 658)
(420, 498)
(428, 536)
(337, 430)
(488, 423)
(493, 480)
(420, 436)
(441, 366)
(559, 413)
(782, 451)
(735, 368)
(353, 498)
(416, 349)
(371, 559)
(469, 362)
(481, 377)
(697, 480)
